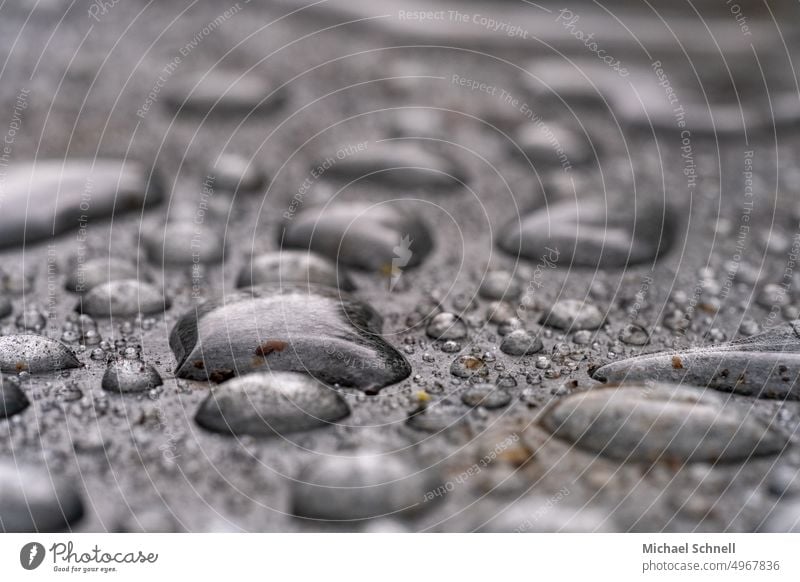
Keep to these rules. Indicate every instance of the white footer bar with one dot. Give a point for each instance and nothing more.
(402, 557)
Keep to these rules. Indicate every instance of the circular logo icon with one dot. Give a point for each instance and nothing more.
(31, 555)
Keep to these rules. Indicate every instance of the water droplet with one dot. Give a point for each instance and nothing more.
(235, 173)
(662, 423)
(543, 362)
(773, 295)
(6, 306)
(521, 342)
(469, 366)
(183, 242)
(749, 327)
(500, 285)
(553, 146)
(298, 267)
(127, 376)
(486, 395)
(34, 499)
(70, 336)
(451, 347)
(315, 330)
(435, 418)
(446, 326)
(500, 312)
(69, 392)
(573, 314)
(91, 337)
(12, 399)
(31, 319)
(361, 487)
(88, 274)
(398, 163)
(266, 404)
(116, 186)
(34, 354)
(381, 238)
(125, 298)
(603, 238)
(509, 326)
(582, 337)
(763, 365)
(634, 335)
(223, 94)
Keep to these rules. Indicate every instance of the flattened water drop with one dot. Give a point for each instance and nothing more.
(34, 354)
(590, 235)
(89, 274)
(34, 499)
(223, 93)
(292, 328)
(664, 423)
(293, 267)
(573, 315)
(47, 198)
(125, 298)
(400, 163)
(521, 342)
(12, 399)
(381, 238)
(130, 376)
(764, 365)
(266, 404)
(363, 487)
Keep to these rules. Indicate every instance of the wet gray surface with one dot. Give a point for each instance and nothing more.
(681, 231)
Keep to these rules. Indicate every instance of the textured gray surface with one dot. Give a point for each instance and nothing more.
(105, 87)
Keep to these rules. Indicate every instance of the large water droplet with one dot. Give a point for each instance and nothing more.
(382, 238)
(89, 274)
(588, 234)
(223, 93)
(552, 146)
(293, 267)
(486, 395)
(662, 422)
(367, 486)
(265, 404)
(397, 163)
(182, 242)
(12, 399)
(34, 354)
(35, 499)
(521, 342)
(48, 198)
(6, 307)
(124, 298)
(764, 365)
(446, 326)
(572, 315)
(235, 173)
(315, 330)
(127, 376)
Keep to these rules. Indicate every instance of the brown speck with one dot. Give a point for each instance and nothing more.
(270, 346)
(473, 363)
(199, 364)
(221, 375)
(516, 456)
(677, 364)
(21, 366)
